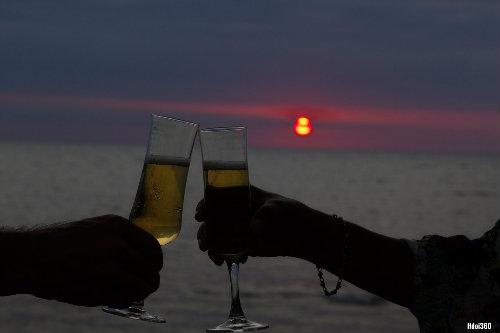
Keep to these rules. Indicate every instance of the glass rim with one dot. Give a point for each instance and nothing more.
(153, 115)
(222, 129)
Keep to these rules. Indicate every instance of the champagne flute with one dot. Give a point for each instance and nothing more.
(227, 199)
(159, 199)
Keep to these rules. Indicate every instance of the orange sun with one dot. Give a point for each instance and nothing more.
(302, 126)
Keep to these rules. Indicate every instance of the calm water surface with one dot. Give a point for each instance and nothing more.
(398, 194)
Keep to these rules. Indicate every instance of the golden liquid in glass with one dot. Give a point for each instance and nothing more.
(227, 197)
(159, 200)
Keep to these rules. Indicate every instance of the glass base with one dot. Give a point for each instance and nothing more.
(134, 312)
(238, 324)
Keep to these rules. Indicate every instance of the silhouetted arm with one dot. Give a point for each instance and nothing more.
(376, 263)
(103, 260)
(281, 226)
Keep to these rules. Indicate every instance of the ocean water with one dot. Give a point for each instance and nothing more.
(404, 195)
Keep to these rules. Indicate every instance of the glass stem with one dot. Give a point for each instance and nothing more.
(236, 309)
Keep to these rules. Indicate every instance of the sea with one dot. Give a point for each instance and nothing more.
(399, 194)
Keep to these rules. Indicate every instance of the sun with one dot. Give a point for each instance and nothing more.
(302, 126)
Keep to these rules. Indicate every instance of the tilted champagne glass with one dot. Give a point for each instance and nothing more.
(227, 199)
(159, 199)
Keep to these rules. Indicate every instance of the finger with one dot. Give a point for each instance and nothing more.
(136, 264)
(202, 243)
(215, 258)
(244, 259)
(127, 288)
(200, 211)
(142, 241)
(255, 248)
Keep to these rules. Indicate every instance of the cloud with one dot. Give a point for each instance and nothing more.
(370, 53)
(322, 113)
(272, 58)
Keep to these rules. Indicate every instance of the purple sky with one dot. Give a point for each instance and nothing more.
(389, 75)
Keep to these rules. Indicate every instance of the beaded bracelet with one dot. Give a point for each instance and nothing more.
(342, 267)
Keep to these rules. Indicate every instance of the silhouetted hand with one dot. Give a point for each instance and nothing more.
(102, 260)
(279, 226)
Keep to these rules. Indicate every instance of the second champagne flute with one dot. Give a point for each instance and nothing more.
(158, 203)
(227, 199)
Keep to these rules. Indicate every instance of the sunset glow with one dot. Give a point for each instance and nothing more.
(302, 126)
(274, 74)
(336, 127)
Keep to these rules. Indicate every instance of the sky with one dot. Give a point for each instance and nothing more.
(412, 75)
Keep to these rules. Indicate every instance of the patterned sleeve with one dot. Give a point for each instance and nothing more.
(455, 284)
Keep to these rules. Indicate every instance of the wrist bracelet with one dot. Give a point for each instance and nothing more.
(343, 260)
